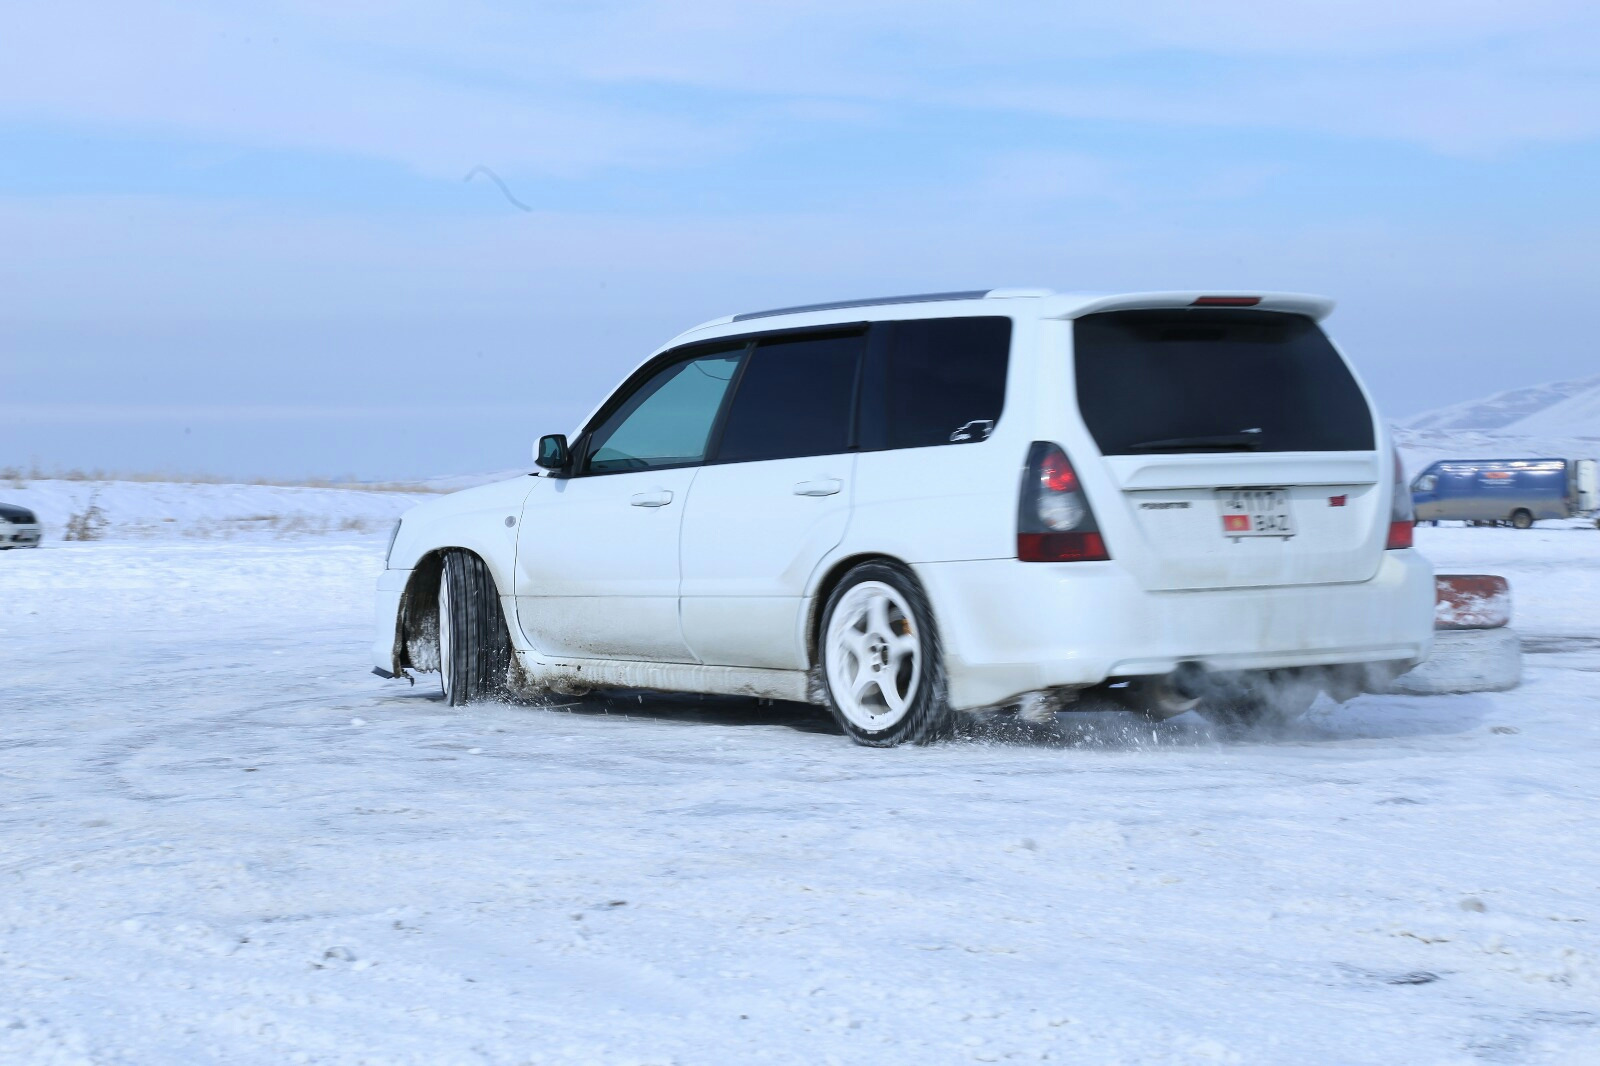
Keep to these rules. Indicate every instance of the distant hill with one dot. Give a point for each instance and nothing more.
(1563, 408)
(1558, 420)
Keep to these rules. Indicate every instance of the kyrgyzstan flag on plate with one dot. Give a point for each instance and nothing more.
(1236, 523)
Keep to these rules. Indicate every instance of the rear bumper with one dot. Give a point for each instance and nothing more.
(1011, 627)
(391, 587)
(19, 535)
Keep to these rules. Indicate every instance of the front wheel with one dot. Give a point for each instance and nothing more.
(881, 660)
(1522, 519)
(474, 646)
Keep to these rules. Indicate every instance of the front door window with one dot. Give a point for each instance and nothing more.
(668, 420)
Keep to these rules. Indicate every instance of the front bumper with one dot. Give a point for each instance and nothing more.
(19, 535)
(1010, 627)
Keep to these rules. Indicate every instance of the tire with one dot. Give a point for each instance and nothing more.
(881, 660)
(1522, 519)
(1263, 701)
(474, 645)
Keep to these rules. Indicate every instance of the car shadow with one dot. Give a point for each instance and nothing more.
(730, 711)
(1090, 724)
(1103, 725)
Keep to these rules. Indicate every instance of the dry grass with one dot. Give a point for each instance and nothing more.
(279, 525)
(19, 476)
(87, 524)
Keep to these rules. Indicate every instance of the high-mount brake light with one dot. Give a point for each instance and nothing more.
(1226, 301)
(1402, 517)
(1055, 523)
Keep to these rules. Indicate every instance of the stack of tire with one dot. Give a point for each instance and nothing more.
(1474, 647)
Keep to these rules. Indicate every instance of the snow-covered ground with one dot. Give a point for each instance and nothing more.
(222, 840)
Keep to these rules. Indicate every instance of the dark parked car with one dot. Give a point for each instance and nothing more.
(19, 527)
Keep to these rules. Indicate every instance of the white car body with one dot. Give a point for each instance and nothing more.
(710, 578)
(19, 527)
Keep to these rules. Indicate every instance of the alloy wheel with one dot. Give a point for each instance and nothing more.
(873, 655)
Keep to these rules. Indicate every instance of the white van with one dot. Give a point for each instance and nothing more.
(910, 507)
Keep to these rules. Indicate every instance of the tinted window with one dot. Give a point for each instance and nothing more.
(667, 420)
(1196, 381)
(935, 381)
(795, 398)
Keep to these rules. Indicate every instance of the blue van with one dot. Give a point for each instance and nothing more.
(1493, 491)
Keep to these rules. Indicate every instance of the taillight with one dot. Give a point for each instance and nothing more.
(1402, 518)
(1054, 521)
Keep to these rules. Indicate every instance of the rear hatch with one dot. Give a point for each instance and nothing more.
(1242, 447)
(1586, 478)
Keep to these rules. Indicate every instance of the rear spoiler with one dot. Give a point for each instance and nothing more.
(1297, 303)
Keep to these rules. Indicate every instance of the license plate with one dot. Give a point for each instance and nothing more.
(1255, 512)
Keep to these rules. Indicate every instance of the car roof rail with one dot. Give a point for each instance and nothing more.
(875, 301)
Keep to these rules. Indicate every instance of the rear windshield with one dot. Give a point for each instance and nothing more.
(1215, 381)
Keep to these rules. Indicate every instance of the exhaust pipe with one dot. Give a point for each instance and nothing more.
(1167, 696)
(1189, 680)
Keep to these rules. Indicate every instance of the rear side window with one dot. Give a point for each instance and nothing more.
(795, 397)
(1215, 381)
(935, 381)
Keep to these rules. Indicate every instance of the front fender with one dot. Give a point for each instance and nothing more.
(482, 520)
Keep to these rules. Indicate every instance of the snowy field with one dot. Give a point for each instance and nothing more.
(224, 841)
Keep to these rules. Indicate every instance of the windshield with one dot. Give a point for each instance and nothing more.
(1215, 381)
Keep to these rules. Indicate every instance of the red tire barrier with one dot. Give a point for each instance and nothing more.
(1473, 651)
(1471, 601)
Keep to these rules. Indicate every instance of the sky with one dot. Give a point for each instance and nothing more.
(292, 239)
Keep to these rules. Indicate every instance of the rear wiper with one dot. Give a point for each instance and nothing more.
(1216, 442)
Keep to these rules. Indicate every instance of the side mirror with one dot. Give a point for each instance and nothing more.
(552, 452)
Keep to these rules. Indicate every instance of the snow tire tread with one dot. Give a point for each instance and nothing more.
(480, 645)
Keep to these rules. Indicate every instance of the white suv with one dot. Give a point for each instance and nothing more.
(910, 507)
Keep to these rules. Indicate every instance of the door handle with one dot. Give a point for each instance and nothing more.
(823, 487)
(658, 498)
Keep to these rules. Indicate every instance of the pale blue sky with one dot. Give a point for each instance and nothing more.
(239, 241)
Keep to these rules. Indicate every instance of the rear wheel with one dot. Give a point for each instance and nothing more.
(881, 660)
(474, 645)
(1522, 519)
